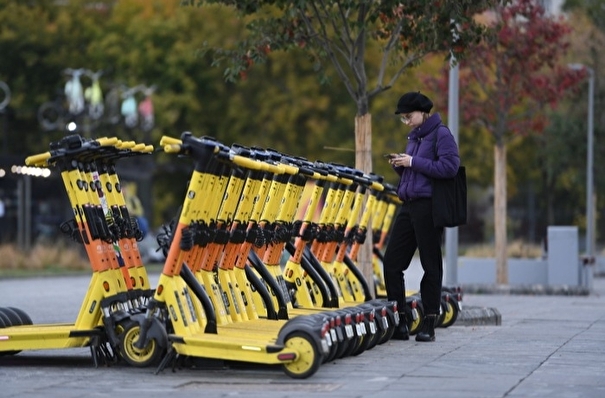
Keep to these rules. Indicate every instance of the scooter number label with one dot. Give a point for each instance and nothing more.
(415, 314)
(349, 331)
(333, 334)
(372, 328)
(385, 323)
(324, 346)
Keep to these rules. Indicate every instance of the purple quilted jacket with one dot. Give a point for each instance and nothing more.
(415, 181)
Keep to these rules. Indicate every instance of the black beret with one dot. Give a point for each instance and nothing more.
(414, 101)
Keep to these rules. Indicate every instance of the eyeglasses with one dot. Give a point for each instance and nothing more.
(407, 117)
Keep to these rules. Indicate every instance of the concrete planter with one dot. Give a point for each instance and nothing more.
(521, 271)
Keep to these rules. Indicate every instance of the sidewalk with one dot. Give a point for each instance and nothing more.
(546, 346)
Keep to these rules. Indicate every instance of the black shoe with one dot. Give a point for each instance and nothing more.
(427, 332)
(401, 331)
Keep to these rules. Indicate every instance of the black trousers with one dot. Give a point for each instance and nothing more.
(413, 229)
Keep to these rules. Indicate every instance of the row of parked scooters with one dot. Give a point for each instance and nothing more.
(260, 261)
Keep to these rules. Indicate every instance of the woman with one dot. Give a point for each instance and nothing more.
(431, 152)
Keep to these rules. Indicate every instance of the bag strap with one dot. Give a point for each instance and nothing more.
(435, 141)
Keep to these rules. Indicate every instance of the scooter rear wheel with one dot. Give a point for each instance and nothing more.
(10, 316)
(416, 324)
(450, 311)
(23, 317)
(129, 332)
(308, 359)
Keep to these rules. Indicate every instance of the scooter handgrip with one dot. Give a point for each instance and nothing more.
(172, 148)
(274, 168)
(346, 181)
(108, 141)
(127, 145)
(38, 159)
(377, 186)
(166, 140)
(247, 162)
(289, 169)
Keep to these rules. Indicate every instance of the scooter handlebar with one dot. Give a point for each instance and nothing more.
(166, 140)
(172, 148)
(247, 162)
(377, 186)
(126, 145)
(105, 141)
(38, 159)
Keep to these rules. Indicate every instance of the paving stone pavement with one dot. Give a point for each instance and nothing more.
(546, 346)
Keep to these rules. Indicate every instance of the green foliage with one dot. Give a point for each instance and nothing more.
(159, 43)
(339, 33)
(594, 9)
(277, 103)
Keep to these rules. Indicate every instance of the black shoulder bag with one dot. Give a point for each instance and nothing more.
(449, 197)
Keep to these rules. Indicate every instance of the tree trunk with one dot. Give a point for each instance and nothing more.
(363, 161)
(500, 213)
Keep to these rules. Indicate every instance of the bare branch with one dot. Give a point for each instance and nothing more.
(387, 53)
(323, 41)
(409, 61)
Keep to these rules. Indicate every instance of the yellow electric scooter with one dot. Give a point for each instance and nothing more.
(107, 306)
(197, 328)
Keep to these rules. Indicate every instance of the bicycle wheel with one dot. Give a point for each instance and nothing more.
(5, 95)
(50, 116)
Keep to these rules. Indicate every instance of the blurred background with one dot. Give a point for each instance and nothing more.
(135, 69)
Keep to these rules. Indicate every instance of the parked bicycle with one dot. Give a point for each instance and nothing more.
(129, 109)
(94, 95)
(63, 112)
(5, 95)
(53, 115)
(146, 109)
(74, 91)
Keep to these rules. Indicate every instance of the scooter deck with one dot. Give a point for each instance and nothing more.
(45, 336)
(234, 348)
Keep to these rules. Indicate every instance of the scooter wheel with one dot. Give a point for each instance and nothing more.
(332, 354)
(23, 317)
(389, 331)
(343, 346)
(308, 357)
(450, 311)
(10, 316)
(416, 324)
(129, 332)
(5, 321)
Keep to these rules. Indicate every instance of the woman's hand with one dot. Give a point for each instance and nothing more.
(401, 160)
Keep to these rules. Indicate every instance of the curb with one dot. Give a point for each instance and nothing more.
(475, 316)
(536, 290)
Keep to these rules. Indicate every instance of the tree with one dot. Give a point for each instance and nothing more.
(340, 34)
(510, 80)
(588, 19)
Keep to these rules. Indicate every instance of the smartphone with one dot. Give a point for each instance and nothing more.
(389, 155)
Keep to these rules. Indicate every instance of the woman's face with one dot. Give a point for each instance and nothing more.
(412, 119)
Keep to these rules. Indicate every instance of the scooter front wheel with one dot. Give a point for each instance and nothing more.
(129, 332)
(307, 361)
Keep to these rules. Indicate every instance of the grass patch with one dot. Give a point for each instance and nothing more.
(515, 249)
(42, 259)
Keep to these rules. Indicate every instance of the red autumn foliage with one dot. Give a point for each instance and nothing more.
(513, 75)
